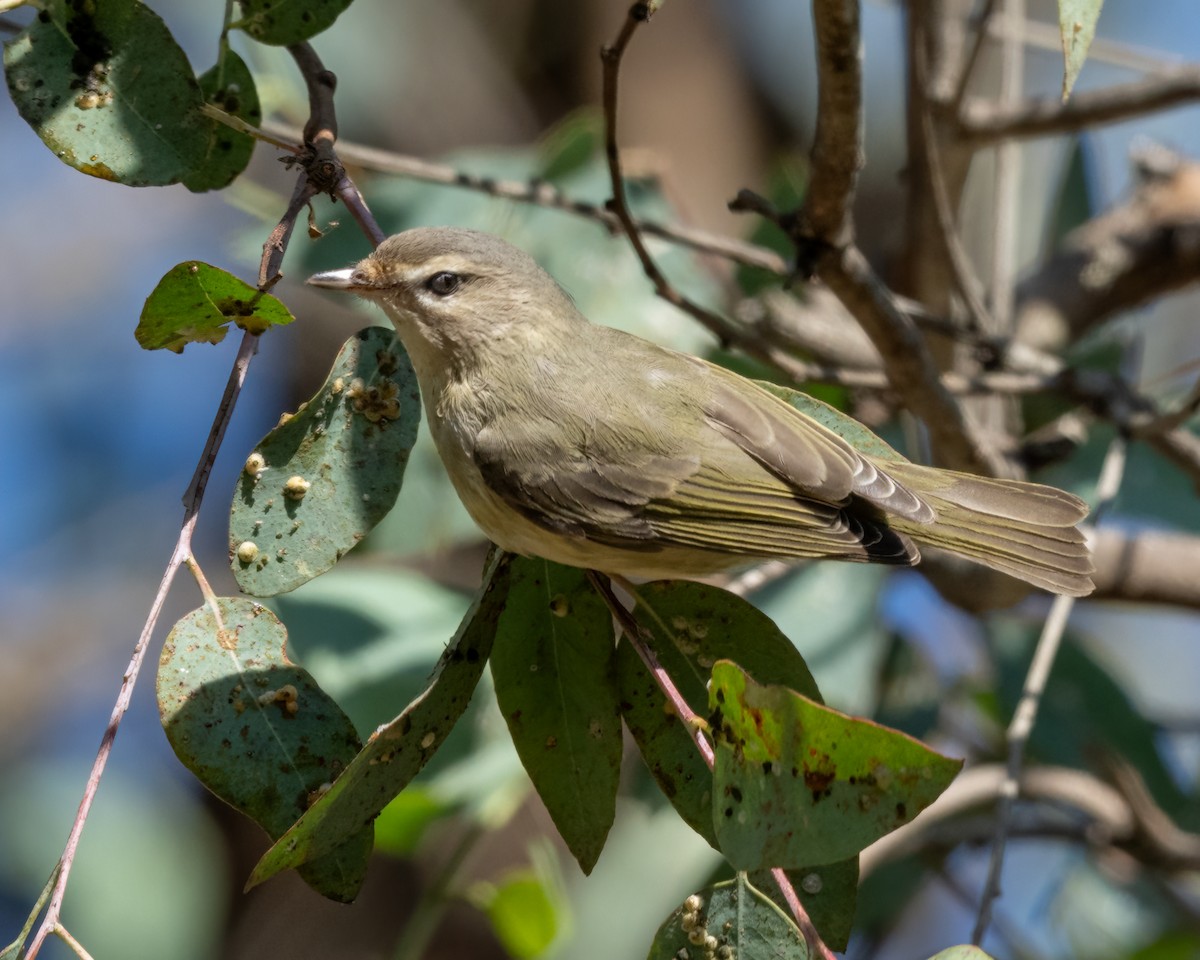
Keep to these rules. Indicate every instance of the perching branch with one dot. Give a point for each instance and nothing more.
(322, 172)
(182, 551)
(1119, 260)
(985, 122)
(824, 225)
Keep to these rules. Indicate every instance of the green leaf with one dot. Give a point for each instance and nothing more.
(109, 91)
(553, 668)
(230, 86)
(690, 626)
(571, 144)
(797, 783)
(194, 301)
(735, 915)
(317, 484)
(523, 911)
(281, 22)
(963, 952)
(829, 893)
(1077, 23)
(397, 751)
(403, 822)
(256, 729)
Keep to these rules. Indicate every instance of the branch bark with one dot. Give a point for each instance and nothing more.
(1122, 259)
(985, 122)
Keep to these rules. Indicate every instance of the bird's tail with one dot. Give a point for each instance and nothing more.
(1026, 530)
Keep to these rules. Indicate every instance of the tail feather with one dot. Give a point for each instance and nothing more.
(1023, 529)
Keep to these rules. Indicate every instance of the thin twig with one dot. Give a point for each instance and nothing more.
(182, 551)
(1116, 53)
(910, 367)
(961, 271)
(1025, 715)
(983, 122)
(633, 635)
(43, 898)
(611, 56)
(63, 934)
(695, 727)
(542, 194)
(982, 28)
(249, 129)
(1007, 181)
(320, 164)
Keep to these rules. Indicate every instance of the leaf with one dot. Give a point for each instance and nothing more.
(194, 301)
(829, 893)
(256, 729)
(735, 915)
(230, 86)
(1077, 24)
(403, 822)
(109, 91)
(553, 668)
(798, 783)
(281, 22)
(396, 752)
(571, 144)
(963, 952)
(523, 912)
(690, 626)
(317, 484)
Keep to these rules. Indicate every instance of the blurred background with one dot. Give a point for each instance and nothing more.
(717, 95)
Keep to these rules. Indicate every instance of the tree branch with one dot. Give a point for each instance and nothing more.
(1126, 257)
(984, 122)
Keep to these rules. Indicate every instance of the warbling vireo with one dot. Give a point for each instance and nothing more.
(595, 448)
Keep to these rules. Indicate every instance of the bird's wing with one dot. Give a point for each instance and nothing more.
(639, 489)
(803, 453)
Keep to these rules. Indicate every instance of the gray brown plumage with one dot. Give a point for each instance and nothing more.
(595, 448)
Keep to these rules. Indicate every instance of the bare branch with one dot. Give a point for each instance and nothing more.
(984, 121)
(910, 368)
(179, 555)
(1118, 814)
(837, 153)
(1126, 257)
(542, 194)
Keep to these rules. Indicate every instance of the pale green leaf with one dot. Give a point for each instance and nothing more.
(397, 751)
(735, 915)
(1077, 23)
(109, 91)
(319, 482)
(256, 729)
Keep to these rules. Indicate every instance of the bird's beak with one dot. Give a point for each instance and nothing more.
(334, 279)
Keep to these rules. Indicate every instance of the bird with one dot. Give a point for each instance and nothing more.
(592, 447)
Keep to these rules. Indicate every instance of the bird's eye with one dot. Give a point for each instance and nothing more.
(444, 283)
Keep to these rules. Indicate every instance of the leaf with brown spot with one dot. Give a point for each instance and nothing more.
(836, 783)
(256, 729)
